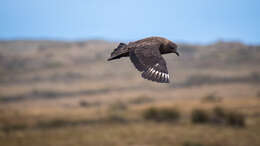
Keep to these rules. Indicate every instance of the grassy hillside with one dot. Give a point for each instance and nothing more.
(66, 93)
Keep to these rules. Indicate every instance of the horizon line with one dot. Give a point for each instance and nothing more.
(60, 39)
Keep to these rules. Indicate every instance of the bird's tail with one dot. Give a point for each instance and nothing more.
(118, 52)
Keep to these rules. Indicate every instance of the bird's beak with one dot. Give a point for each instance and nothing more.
(177, 54)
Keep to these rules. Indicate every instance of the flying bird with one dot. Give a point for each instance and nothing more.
(146, 55)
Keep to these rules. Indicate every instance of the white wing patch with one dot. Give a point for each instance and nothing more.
(157, 75)
(156, 72)
(150, 69)
(153, 70)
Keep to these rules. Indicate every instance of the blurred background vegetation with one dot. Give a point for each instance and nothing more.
(65, 93)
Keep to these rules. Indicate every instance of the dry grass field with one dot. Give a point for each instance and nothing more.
(66, 93)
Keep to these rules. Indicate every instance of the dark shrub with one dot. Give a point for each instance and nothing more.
(188, 143)
(219, 112)
(54, 123)
(83, 103)
(199, 116)
(161, 114)
(223, 116)
(118, 106)
(151, 113)
(218, 115)
(12, 127)
(235, 119)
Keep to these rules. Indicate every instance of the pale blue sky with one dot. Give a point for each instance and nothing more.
(194, 21)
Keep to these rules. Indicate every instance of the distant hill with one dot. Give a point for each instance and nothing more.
(51, 64)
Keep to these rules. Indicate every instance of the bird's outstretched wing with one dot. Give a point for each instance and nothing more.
(148, 60)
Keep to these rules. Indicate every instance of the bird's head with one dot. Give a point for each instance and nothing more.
(173, 48)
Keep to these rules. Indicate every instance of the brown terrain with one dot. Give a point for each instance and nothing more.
(66, 93)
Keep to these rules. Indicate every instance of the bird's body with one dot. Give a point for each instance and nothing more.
(145, 54)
